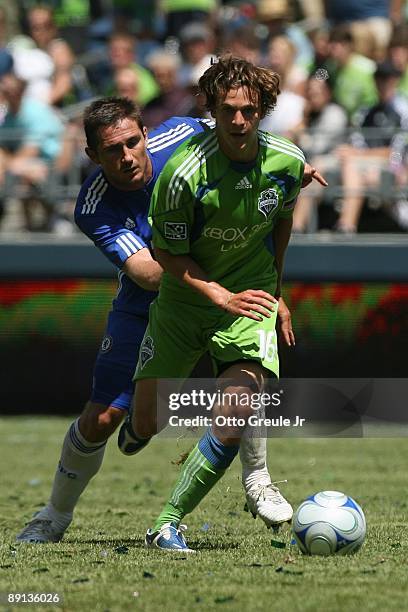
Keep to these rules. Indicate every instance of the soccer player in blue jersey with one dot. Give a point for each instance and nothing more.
(112, 211)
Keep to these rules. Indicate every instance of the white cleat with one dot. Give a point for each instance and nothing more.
(42, 529)
(267, 502)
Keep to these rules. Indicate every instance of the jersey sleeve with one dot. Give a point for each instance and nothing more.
(293, 188)
(107, 233)
(171, 213)
(168, 136)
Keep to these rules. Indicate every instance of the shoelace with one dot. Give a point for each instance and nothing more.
(180, 530)
(272, 493)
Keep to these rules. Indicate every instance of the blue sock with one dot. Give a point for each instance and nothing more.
(218, 454)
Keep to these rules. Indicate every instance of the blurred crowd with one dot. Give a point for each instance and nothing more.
(344, 94)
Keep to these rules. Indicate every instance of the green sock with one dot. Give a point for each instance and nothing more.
(196, 479)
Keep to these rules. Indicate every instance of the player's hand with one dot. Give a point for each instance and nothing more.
(311, 174)
(248, 303)
(285, 322)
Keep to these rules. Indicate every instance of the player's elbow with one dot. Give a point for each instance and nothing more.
(149, 284)
(151, 277)
(143, 270)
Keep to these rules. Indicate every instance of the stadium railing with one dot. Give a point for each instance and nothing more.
(63, 185)
(310, 258)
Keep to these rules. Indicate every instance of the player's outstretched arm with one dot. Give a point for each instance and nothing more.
(244, 304)
(142, 269)
(311, 174)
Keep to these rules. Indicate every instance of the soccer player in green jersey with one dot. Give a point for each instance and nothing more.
(221, 214)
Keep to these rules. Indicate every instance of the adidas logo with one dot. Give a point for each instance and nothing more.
(243, 184)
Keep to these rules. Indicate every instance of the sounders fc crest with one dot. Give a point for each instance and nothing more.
(146, 351)
(267, 202)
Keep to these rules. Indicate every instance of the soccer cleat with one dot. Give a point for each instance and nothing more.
(267, 502)
(169, 538)
(42, 529)
(128, 442)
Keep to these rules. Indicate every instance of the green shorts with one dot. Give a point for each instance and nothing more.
(179, 334)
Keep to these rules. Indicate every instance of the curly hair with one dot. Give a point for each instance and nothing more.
(232, 72)
(106, 112)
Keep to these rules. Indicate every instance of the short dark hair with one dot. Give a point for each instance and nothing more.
(106, 112)
(246, 35)
(233, 72)
(341, 34)
(387, 70)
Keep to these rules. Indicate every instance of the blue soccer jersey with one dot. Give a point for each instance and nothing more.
(116, 221)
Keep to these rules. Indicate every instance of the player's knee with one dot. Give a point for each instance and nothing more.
(97, 423)
(249, 375)
(238, 386)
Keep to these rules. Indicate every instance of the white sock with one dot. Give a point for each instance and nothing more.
(80, 461)
(252, 453)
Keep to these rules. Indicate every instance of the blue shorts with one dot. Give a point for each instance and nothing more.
(116, 361)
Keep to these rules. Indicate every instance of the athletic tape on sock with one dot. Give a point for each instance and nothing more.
(218, 454)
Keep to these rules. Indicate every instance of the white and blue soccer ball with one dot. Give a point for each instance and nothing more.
(327, 523)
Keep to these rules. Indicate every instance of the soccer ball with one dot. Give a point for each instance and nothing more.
(329, 522)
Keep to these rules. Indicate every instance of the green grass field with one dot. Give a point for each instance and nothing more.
(102, 564)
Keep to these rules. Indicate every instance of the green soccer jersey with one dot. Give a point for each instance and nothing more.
(221, 213)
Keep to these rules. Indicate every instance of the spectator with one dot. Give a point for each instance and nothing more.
(369, 23)
(72, 18)
(276, 16)
(376, 156)
(70, 169)
(198, 106)
(44, 33)
(323, 128)
(122, 53)
(281, 58)
(398, 54)
(34, 66)
(172, 99)
(324, 122)
(354, 87)
(179, 13)
(197, 45)
(244, 42)
(127, 84)
(140, 16)
(319, 37)
(288, 112)
(286, 116)
(30, 140)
